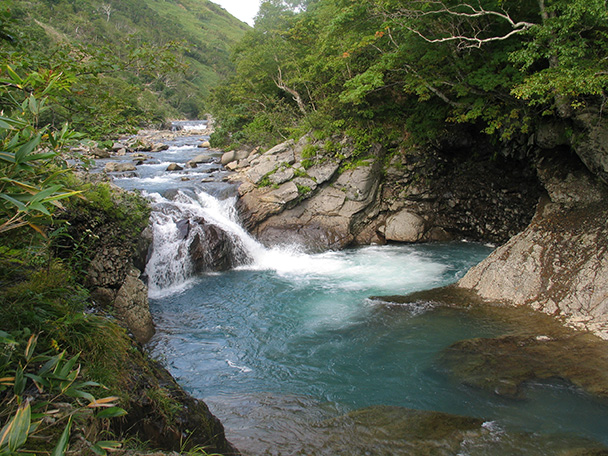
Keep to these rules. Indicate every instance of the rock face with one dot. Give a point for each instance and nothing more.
(162, 413)
(559, 264)
(114, 241)
(131, 306)
(212, 249)
(326, 202)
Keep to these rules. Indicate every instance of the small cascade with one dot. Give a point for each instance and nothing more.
(194, 232)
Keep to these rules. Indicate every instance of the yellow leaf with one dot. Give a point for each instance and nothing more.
(105, 402)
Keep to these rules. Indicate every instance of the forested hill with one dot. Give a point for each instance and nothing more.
(127, 62)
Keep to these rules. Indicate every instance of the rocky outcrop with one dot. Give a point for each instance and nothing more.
(287, 197)
(559, 264)
(109, 244)
(160, 412)
(318, 195)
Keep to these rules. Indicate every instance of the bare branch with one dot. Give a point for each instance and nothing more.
(280, 83)
(468, 13)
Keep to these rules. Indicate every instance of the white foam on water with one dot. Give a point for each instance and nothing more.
(367, 267)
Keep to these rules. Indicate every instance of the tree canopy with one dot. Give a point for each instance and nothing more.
(413, 67)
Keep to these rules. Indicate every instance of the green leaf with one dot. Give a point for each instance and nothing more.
(38, 380)
(112, 412)
(73, 392)
(50, 364)
(20, 206)
(19, 381)
(27, 149)
(15, 433)
(67, 367)
(62, 445)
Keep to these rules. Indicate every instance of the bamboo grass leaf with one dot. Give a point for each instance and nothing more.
(62, 445)
(15, 433)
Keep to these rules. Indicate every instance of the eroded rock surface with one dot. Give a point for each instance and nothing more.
(327, 200)
(559, 264)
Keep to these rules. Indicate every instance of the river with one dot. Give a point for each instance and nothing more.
(287, 344)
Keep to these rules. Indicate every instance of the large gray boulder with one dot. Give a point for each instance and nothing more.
(405, 226)
(114, 167)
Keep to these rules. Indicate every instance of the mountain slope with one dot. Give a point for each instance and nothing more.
(202, 31)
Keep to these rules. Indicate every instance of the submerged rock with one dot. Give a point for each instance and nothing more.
(504, 365)
(533, 347)
(277, 425)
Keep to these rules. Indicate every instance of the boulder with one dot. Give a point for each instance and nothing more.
(97, 152)
(174, 167)
(159, 147)
(211, 248)
(137, 156)
(559, 264)
(113, 167)
(203, 158)
(234, 155)
(204, 145)
(131, 307)
(405, 226)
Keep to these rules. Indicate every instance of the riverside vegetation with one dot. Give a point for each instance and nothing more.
(72, 381)
(391, 93)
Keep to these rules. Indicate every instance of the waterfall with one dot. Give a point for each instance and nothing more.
(194, 232)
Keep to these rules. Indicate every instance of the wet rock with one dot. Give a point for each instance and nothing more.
(288, 425)
(183, 228)
(533, 346)
(114, 167)
(162, 413)
(505, 364)
(97, 152)
(174, 167)
(202, 158)
(212, 249)
(140, 156)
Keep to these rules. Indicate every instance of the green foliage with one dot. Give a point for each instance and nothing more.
(400, 67)
(30, 181)
(128, 63)
(34, 388)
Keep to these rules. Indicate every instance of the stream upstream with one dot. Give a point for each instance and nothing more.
(293, 355)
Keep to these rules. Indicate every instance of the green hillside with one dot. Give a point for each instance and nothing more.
(149, 59)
